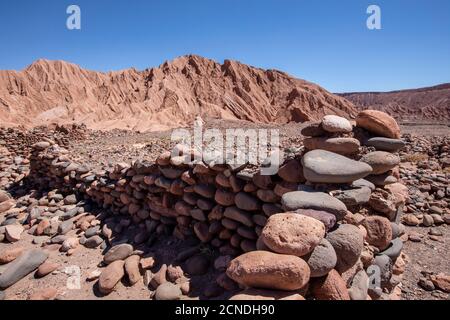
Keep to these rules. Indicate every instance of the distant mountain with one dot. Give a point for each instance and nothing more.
(167, 96)
(425, 104)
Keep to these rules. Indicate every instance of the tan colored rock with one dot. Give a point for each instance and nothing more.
(132, 269)
(4, 196)
(442, 281)
(291, 233)
(410, 220)
(13, 232)
(6, 205)
(379, 123)
(11, 254)
(46, 268)
(174, 274)
(267, 270)
(399, 265)
(343, 146)
(399, 191)
(110, 276)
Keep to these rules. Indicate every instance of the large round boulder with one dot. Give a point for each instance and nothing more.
(291, 233)
(348, 242)
(336, 124)
(379, 123)
(267, 270)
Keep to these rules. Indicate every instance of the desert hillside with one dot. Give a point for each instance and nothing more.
(424, 104)
(167, 96)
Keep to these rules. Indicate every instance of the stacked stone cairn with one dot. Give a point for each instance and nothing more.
(339, 237)
(322, 227)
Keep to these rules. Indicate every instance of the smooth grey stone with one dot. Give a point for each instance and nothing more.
(322, 259)
(70, 199)
(363, 183)
(65, 227)
(82, 240)
(348, 242)
(58, 239)
(394, 249)
(23, 265)
(9, 221)
(40, 240)
(320, 201)
(2, 295)
(322, 166)
(92, 231)
(69, 214)
(395, 230)
(385, 144)
(385, 265)
(93, 242)
(380, 161)
(354, 197)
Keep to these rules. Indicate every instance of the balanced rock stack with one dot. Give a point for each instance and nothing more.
(339, 237)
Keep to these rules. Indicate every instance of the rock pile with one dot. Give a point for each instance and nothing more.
(19, 141)
(342, 224)
(425, 170)
(313, 229)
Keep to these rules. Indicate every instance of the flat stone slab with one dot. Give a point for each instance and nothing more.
(343, 146)
(23, 265)
(381, 161)
(320, 201)
(320, 166)
(385, 144)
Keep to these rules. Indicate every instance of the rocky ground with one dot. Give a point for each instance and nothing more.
(425, 169)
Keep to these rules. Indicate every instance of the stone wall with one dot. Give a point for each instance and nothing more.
(329, 217)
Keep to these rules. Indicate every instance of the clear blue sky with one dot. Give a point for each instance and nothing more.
(326, 42)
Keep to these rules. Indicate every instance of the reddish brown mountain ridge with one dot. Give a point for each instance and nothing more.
(168, 96)
(424, 104)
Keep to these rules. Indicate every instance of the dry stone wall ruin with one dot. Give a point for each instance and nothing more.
(326, 226)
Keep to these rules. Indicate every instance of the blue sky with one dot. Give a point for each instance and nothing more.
(326, 41)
